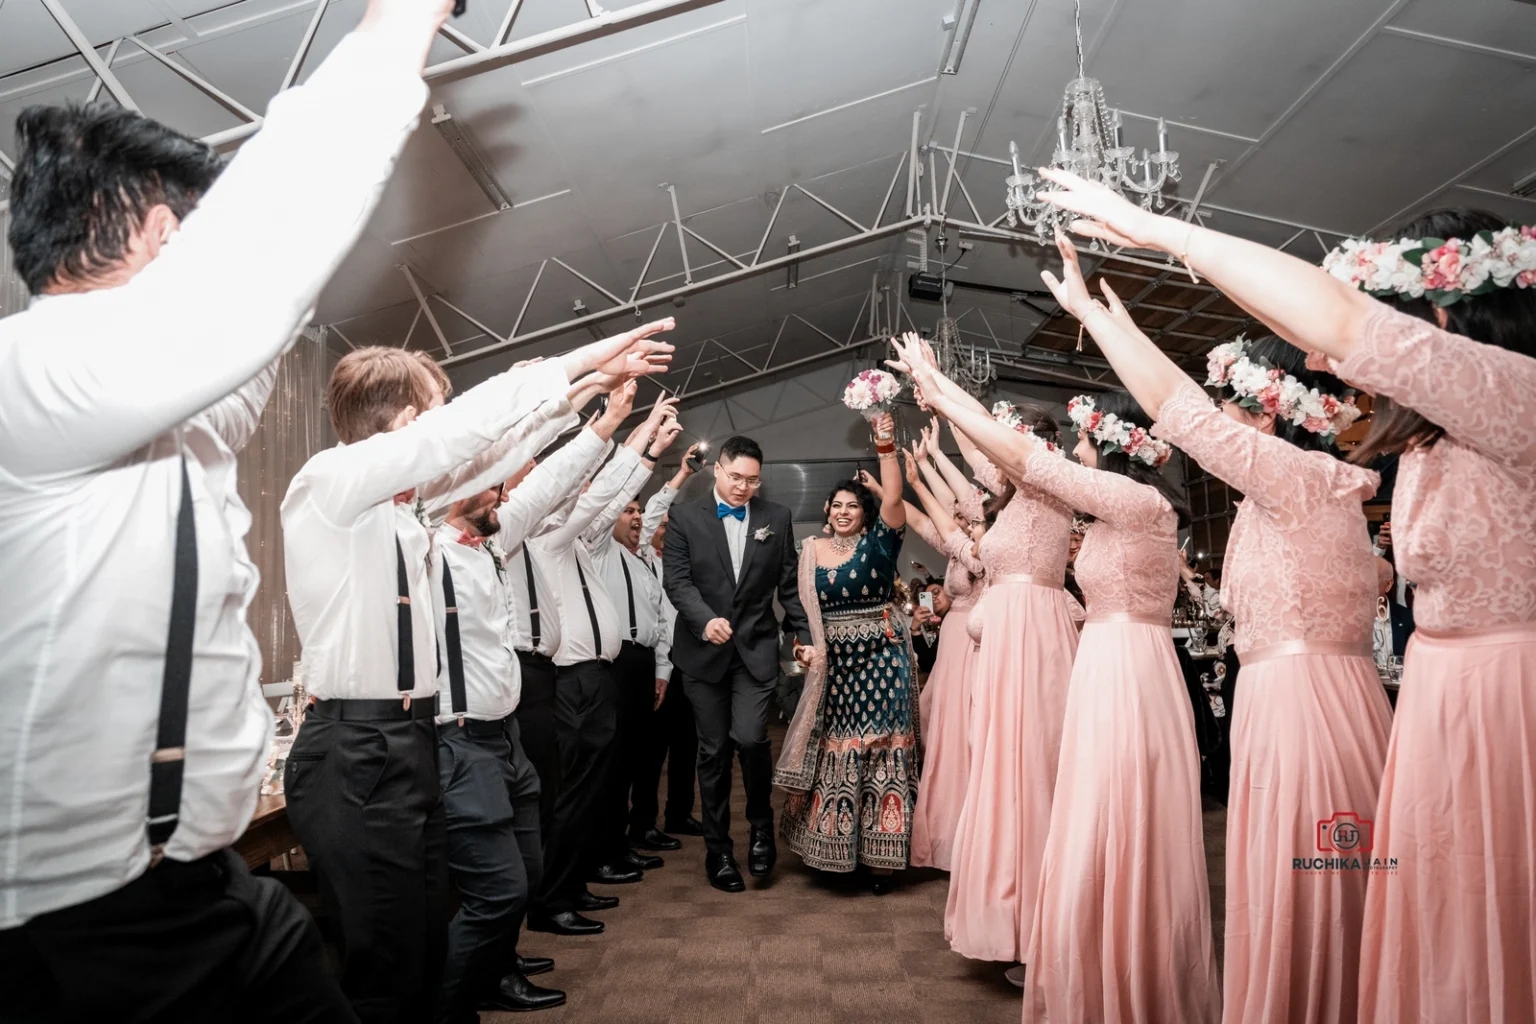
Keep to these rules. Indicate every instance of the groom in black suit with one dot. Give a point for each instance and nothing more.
(725, 559)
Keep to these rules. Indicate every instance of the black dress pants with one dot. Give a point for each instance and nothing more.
(634, 676)
(673, 740)
(732, 713)
(586, 713)
(495, 856)
(365, 800)
(190, 942)
(535, 716)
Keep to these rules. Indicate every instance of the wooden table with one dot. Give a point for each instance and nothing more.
(269, 835)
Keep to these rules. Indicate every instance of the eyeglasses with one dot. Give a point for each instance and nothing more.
(753, 482)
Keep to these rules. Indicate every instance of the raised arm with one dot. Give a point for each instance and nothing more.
(236, 416)
(348, 479)
(892, 509)
(518, 446)
(661, 502)
(1302, 303)
(546, 487)
(1111, 497)
(1473, 391)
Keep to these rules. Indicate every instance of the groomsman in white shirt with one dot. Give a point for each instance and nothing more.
(490, 788)
(364, 583)
(585, 694)
(637, 597)
(135, 735)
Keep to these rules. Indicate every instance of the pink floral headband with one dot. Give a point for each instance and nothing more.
(1114, 434)
(1444, 271)
(1260, 387)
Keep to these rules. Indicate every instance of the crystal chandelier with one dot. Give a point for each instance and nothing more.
(966, 365)
(1088, 145)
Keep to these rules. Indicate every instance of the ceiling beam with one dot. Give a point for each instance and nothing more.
(605, 24)
(81, 43)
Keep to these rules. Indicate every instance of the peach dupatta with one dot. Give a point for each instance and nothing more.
(796, 769)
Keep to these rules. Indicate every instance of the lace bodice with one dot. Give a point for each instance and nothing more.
(1032, 535)
(1299, 564)
(1464, 510)
(957, 574)
(1129, 561)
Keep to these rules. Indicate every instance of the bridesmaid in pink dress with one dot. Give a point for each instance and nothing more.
(1310, 724)
(1450, 936)
(1122, 931)
(1019, 699)
(945, 703)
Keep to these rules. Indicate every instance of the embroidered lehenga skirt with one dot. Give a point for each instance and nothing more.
(859, 810)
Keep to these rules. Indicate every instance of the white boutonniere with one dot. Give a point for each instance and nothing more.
(761, 534)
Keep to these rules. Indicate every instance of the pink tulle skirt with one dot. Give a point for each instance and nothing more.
(1309, 739)
(1449, 933)
(1122, 930)
(945, 711)
(1019, 699)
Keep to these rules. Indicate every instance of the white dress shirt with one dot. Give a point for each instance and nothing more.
(493, 680)
(102, 394)
(656, 509)
(341, 523)
(735, 534)
(533, 507)
(567, 562)
(630, 581)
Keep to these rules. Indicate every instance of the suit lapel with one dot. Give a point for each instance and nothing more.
(757, 519)
(715, 527)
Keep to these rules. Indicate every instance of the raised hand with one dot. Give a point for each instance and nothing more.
(621, 401)
(665, 435)
(874, 485)
(409, 26)
(1109, 216)
(1071, 291)
(632, 354)
(909, 463)
(884, 426)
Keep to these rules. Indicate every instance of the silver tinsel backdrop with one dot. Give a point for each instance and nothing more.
(293, 428)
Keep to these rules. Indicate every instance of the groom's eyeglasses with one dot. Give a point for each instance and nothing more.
(753, 482)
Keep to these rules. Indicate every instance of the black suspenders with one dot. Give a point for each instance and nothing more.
(629, 590)
(533, 598)
(167, 764)
(586, 594)
(460, 703)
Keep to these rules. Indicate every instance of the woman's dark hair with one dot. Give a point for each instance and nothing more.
(867, 502)
(1505, 317)
(1279, 353)
(86, 177)
(1121, 404)
(997, 502)
(1040, 422)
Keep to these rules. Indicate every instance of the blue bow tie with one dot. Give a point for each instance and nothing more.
(739, 511)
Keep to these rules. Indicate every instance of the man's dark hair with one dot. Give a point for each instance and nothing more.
(86, 177)
(737, 447)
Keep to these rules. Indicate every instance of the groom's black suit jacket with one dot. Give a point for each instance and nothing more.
(700, 584)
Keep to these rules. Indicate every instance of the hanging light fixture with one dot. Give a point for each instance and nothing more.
(968, 366)
(1088, 145)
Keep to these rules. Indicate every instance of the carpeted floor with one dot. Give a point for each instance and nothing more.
(799, 948)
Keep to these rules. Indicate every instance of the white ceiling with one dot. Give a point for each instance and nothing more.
(1337, 116)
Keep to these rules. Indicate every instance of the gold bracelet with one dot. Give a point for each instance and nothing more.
(1184, 256)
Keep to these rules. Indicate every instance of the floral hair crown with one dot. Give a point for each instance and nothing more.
(1006, 413)
(1444, 271)
(1260, 387)
(1114, 434)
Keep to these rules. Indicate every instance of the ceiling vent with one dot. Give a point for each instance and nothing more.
(1525, 188)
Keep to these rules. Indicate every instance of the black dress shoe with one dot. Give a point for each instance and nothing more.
(762, 853)
(528, 966)
(689, 826)
(622, 873)
(654, 840)
(881, 884)
(722, 872)
(516, 993)
(566, 922)
(643, 861)
(592, 901)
